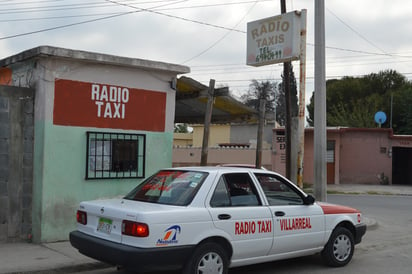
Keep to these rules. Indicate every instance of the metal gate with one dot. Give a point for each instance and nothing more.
(402, 165)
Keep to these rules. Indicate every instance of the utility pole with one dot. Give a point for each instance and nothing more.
(208, 118)
(302, 104)
(320, 103)
(286, 86)
(262, 109)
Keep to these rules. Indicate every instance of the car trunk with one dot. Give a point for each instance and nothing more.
(105, 217)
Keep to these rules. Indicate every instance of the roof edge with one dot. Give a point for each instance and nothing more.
(92, 57)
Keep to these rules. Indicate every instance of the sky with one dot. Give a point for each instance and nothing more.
(362, 36)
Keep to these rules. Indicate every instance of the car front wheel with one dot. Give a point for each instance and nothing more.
(207, 258)
(340, 247)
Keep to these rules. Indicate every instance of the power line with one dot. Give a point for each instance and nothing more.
(221, 38)
(364, 52)
(151, 10)
(65, 26)
(180, 18)
(74, 24)
(169, 2)
(57, 17)
(88, 5)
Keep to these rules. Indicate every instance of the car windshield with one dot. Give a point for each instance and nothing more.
(172, 187)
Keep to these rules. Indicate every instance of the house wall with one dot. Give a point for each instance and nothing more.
(361, 159)
(217, 134)
(216, 156)
(233, 134)
(223, 134)
(334, 136)
(182, 139)
(247, 133)
(361, 155)
(60, 150)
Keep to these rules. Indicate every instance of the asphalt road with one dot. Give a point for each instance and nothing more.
(386, 248)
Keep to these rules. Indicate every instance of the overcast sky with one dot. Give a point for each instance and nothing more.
(362, 36)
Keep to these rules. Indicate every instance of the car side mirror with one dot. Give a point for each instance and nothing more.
(309, 200)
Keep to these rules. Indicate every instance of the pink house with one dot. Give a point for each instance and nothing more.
(354, 155)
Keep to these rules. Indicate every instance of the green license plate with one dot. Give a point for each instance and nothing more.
(105, 225)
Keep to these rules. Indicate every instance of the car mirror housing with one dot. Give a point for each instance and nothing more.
(309, 200)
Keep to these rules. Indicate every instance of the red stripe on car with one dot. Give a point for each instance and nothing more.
(336, 209)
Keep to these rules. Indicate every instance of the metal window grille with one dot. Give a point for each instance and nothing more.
(115, 155)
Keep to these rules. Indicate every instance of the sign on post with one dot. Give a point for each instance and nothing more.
(274, 39)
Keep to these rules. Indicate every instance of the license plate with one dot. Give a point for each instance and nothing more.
(105, 225)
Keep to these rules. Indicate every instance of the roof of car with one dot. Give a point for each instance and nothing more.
(241, 165)
(217, 168)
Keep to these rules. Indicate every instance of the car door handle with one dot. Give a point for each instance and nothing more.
(279, 213)
(224, 216)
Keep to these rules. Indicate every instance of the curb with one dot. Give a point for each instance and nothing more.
(371, 224)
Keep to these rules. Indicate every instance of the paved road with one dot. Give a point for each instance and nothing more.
(387, 248)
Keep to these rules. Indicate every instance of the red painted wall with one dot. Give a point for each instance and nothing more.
(106, 106)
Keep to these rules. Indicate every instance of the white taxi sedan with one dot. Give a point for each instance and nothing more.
(207, 219)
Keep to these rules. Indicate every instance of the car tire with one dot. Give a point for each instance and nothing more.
(207, 258)
(339, 249)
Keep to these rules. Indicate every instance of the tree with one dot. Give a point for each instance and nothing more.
(353, 101)
(181, 128)
(281, 99)
(275, 96)
(258, 90)
(402, 111)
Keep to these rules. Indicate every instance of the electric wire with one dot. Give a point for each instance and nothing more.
(157, 9)
(221, 38)
(356, 32)
(74, 24)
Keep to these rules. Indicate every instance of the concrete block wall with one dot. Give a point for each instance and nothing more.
(16, 163)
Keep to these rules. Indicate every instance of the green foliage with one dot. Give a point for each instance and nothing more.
(181, 128)
(402, 110)
(257, 90)
(281, 99)
(353, 102)
(275, 97)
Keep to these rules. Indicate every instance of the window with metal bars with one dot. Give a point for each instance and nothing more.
(115, 155)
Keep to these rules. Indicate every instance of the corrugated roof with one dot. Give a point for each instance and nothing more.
(191, 101)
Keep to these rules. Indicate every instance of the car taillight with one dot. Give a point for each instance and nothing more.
(81, 217)
(135, 229)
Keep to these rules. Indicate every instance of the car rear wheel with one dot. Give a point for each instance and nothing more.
(207, 258)
(340, 247)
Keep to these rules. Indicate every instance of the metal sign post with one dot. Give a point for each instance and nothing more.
(281, 39)
(302, 105)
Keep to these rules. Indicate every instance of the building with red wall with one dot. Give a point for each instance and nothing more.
(354, 155)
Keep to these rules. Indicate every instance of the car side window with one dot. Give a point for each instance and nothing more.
(235, 189)
(220, 197)
(277, 191)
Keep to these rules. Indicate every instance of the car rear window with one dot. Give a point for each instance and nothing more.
(172, 187)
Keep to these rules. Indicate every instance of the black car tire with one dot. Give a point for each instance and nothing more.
(208, 258)
(339, 249)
